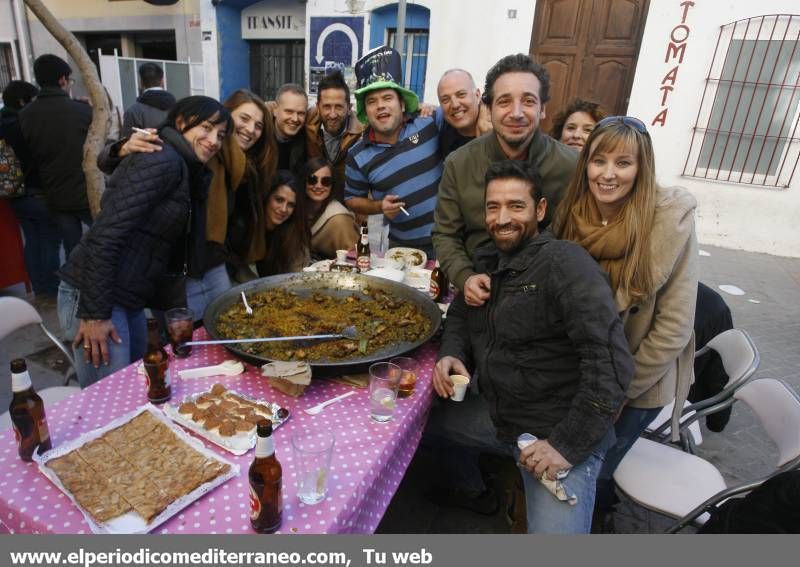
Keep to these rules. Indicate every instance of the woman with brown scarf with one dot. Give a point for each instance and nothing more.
(643, 236)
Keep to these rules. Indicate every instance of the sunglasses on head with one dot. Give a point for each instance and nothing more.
(325, 180)
(634, 123)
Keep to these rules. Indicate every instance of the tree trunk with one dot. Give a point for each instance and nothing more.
(96, 137)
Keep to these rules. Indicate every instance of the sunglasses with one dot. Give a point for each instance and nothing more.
(634, 123)
(325, 180)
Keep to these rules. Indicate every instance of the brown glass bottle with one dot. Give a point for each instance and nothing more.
(156, 366)
(362, 249)
(438, 288)
(27, 413)
(266, 481)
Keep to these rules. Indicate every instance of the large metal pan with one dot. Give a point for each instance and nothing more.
(338, 284)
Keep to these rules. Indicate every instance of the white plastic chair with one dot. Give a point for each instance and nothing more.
(49, 397)
(740, 359)
(669, 481)
(16, 313)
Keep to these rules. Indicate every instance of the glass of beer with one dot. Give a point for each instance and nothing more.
(408, 375)
(180, 324)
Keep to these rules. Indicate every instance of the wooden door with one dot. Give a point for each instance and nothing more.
(589, 47)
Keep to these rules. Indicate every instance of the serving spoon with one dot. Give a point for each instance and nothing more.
(347, 333)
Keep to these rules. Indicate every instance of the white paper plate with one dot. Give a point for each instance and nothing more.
(387, 274)
(321, 266)
(411, 257)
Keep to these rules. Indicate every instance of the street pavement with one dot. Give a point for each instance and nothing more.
(769, 311)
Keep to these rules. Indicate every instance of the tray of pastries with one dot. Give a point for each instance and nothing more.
(134, 473)
(226, 417)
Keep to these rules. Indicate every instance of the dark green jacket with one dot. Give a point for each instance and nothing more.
(459, 226)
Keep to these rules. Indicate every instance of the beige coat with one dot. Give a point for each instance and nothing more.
(660, 331)
(334, 230)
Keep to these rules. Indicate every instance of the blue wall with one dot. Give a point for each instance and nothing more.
(234, 52)
(416, 17)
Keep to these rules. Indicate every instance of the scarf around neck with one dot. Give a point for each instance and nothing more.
(605, 243)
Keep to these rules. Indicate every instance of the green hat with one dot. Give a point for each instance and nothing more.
(377, 70)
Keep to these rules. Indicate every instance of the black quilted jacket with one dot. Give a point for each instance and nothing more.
(138, 232)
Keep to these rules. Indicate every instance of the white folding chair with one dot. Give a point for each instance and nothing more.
(669, 481)
(740, 359)
(16, 313)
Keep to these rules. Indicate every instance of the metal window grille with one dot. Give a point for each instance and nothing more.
(6, 65)
(746, 129)
(415, 68)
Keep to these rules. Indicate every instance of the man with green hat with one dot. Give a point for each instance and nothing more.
(396, 164)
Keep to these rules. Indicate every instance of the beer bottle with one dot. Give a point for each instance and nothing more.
(266, 479)
(438, 287)
(362, 249)
(156, 366)
(27, 413)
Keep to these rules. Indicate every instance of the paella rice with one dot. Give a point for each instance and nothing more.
(380, 320)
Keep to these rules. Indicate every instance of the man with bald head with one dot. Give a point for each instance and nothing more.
(465, 116)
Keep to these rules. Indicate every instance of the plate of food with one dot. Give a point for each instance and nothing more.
(418, 278)
(225, 417)
(134, 473)
(411, 257)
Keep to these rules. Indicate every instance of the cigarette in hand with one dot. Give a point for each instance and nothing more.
(405, 212)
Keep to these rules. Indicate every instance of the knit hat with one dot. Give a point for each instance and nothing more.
(381, 69)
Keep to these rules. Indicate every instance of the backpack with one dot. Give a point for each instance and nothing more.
(12, 178)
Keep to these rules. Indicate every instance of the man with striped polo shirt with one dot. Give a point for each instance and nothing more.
(396, 164)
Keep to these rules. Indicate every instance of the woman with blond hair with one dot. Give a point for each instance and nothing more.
(643, 236)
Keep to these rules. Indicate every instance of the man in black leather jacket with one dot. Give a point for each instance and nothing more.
(549, 354)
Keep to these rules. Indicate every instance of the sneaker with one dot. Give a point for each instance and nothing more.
(486, 503)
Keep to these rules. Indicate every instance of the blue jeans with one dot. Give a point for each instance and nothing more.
(42, 242)
(131, 325)
(199, 293)
(631, 424)
(71, 226)
(460, 431)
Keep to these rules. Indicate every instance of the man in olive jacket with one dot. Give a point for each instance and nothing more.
(516, 91)
(550, 356)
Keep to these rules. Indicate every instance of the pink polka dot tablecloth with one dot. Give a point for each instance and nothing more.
(368, 463)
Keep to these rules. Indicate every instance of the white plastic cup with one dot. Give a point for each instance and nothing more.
(341, 256)
(460, 385)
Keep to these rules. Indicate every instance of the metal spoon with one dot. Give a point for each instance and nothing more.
(347, 333)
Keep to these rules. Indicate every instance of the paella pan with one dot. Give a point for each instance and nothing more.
(344, 295)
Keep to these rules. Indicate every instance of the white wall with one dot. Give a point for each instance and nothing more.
(474, 35)
(752, 218)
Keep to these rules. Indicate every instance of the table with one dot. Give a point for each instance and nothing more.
(368, 463)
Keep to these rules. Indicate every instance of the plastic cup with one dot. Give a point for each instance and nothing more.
(180, 325)
(341, 256)
(408, 375)
(460, 385)
(312, 457)
(384, 379)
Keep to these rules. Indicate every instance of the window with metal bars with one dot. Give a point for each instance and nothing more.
(746, 129)
(6, 65)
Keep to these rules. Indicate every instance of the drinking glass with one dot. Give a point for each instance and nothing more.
(384, 378)
(312, 456)
(180, 324)
(408, 377)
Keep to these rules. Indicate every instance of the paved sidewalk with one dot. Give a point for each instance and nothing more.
(741, 451)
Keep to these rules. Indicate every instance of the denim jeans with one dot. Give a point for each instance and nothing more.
(201, 292)
(42, 242)
(459, 431)
(631, 424)
(71, 226)
(131, 325)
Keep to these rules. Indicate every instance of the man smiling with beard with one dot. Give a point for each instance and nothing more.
(550, 356)
(516, 91)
